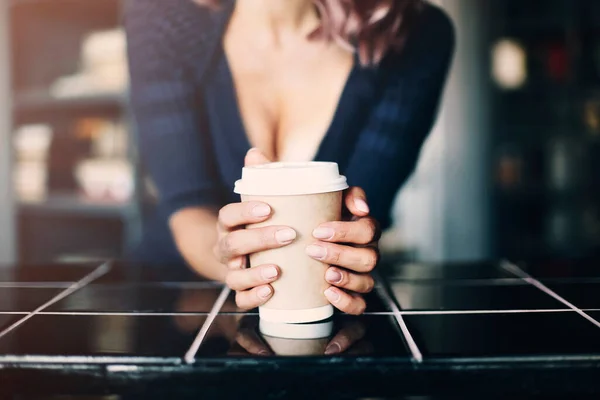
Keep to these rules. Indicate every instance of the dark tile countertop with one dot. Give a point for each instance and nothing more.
(478, 329)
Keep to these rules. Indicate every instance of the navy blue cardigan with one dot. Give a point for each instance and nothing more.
(191, 136)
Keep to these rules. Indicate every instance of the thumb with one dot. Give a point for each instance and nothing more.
(255, 157)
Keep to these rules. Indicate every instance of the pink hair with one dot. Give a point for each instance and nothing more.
(370, 27)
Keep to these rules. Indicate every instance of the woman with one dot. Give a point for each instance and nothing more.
(357, 82)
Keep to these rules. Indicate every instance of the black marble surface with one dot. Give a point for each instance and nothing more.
(423, 297)
(143, 298)
(501, 335)
(473, 329)
(350, 336)
(584, 295)
(25, 299)
(39, 275)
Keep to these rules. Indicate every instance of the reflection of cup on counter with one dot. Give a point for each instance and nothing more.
(302, 196)
(296, 339)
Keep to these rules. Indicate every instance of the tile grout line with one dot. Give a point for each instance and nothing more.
(381, 313)
(190, 355)
(412, 345)
(35, 285)
(97, 273)
(475, 312)
(122, 313)
(515, 269)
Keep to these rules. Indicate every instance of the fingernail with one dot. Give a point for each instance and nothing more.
(261, 210)
(263, 353)
(285, 236)
(361, 205)
(317, 252)
(264, 292)
(333, 348)
(269, 273)
(332, 295)
(323, 233)
(333, 276)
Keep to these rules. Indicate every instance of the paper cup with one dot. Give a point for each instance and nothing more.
(302, 196)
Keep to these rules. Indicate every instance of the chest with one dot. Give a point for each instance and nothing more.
(287, 99)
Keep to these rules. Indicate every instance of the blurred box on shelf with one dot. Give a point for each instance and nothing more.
(509, 173)
(591, 117)
(106, 174)
(509, 64)
(32, 142)
(104, 48)
(566, 157)
(30, 173)
(30, 180)
(108, 138)
(106, 179)
(103, 67)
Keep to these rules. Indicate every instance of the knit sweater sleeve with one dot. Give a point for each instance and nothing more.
(164, 40)
(388, 147)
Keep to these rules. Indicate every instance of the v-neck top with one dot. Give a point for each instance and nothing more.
(220, 100)
(192, 136)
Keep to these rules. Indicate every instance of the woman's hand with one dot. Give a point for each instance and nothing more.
(252, 285)
(350, 248)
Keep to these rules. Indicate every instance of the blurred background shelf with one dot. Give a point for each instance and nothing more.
(73, 205)
(40, 106)
(546, 128)
(71, 114)
(37, 100)
(15, 3)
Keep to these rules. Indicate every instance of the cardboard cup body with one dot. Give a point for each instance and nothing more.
(302, 196)
(299, 292)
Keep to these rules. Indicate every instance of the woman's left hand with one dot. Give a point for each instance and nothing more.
(351, 248)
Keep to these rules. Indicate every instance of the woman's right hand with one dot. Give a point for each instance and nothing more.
(235, 242)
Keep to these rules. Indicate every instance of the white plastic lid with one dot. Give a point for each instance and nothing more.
(290, 178)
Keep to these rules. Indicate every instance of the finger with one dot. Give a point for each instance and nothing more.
(358, 259)
(350, 303)
(237, 262)
(360, 283)
(243, 279)
(255, 157)
(345, 338)
(362, 231)
(249, 299)
(356, 202)
(248, 241)
(251, 342)
(240, 214)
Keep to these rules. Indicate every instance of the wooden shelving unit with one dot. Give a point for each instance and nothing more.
(73, 205)
(47, 37)
(33, 101)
